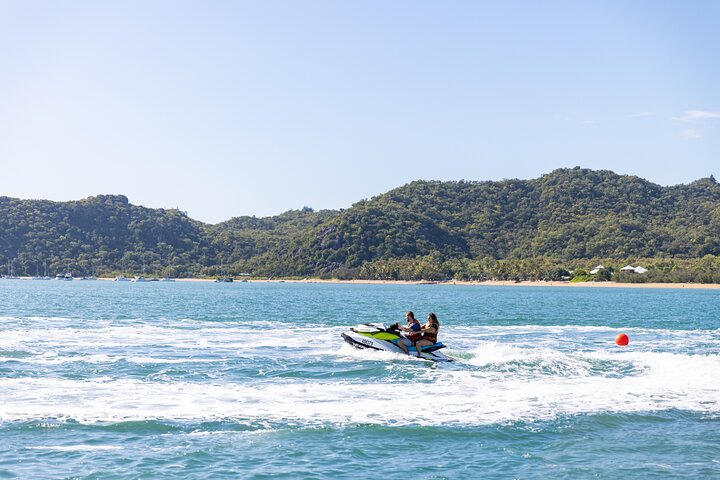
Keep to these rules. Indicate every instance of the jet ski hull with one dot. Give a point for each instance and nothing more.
(377, 337)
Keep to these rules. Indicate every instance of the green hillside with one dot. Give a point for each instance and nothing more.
(536, 228)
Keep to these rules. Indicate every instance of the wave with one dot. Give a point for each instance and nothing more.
(275, 373)
(74, 448)
(464, 395)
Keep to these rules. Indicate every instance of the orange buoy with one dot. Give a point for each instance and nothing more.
(622, 340)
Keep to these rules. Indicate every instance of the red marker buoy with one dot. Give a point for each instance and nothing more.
(622, 340)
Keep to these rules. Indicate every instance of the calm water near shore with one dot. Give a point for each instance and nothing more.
(252, 380)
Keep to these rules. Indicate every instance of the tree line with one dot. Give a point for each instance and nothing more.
(513, 229)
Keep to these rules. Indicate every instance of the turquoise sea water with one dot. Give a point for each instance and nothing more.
(248, 380)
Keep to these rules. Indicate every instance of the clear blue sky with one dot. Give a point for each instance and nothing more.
(254, 108)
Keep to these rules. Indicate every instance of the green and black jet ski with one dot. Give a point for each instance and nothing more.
(376, 336)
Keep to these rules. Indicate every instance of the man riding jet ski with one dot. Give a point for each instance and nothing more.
(377, 336)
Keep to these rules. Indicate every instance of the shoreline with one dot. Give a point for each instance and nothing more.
(505, 283)
(492, 283)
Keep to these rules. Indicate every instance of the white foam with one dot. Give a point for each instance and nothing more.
(149, 335)
(346, 352)
(495, 353)
(460, 396)
(505, 374)
(53, 358)
(44, 336)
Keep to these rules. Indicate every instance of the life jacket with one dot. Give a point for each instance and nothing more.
(414, 335)
(431, 336)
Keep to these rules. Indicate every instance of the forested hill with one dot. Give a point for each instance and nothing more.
(425, 229)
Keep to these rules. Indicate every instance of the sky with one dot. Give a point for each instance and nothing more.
(224, 109)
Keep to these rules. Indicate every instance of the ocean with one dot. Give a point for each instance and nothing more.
(252, 380)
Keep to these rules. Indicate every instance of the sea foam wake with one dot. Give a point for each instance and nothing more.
(265, 372)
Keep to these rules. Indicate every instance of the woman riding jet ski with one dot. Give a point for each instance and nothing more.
(377, 336)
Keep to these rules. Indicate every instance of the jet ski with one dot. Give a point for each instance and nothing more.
(377, 336)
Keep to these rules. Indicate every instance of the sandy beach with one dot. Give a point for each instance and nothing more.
(508, 283)
(495, 283)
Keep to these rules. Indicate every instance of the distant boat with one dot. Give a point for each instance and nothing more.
(11, 272)
(92, 274)
(167, 279)
(45, 277)
(122, 278)
(223, 276)
(140, 278)
(67, 277)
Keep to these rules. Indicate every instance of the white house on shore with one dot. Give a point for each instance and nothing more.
(596, 270)
(630, 268)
